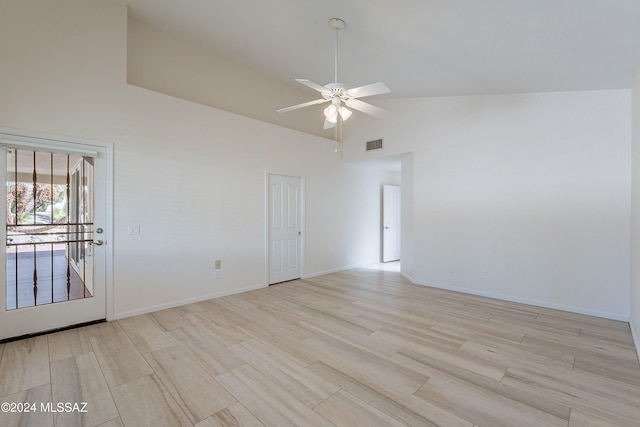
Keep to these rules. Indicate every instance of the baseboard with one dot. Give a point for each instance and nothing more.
(173, 304)
(572, 309)
(409, 278)
(334, 270)
(636, 340)
(544, 304)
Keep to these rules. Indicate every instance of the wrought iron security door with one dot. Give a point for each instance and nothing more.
(49, 208)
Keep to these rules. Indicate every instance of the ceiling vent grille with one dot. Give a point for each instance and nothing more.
(374, 145)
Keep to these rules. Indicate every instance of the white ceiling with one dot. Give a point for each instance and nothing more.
(418, 47)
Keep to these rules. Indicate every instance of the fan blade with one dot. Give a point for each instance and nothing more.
(314, 86)
(304, 104)
(372, 110)
(328, 125)
(369, 90)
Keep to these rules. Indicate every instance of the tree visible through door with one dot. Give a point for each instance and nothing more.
(49, 228)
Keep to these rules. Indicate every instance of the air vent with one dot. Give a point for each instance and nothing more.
(374, 145)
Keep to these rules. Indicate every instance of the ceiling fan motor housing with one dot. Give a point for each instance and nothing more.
(338, 92)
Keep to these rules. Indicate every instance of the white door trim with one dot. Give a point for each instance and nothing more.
(267, 259)
(81, 145)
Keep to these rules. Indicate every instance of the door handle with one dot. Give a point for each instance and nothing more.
(99, 242)
(386, 228)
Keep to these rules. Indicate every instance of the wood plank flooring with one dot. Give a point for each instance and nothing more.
(355, 348)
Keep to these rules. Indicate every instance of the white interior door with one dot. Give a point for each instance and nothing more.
(54, 260)
(285, 228)
(390, 223)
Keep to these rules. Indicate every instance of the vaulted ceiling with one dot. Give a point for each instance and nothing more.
(419, 48)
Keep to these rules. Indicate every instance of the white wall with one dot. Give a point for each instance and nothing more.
(164, 63)
(534, 188)
(635, 217)
(407, 191)
(193, 177)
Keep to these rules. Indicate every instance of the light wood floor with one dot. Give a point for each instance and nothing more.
(356, 348)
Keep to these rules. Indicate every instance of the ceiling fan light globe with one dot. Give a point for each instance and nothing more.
(331, 113)
(345, 113)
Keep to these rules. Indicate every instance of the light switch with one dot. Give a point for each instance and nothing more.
(133, 229)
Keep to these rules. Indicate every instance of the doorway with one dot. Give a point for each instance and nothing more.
(54, 257)
(284, 219)
(391, 228)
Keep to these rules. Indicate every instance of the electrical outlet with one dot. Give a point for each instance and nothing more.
(218, 274)
(484, 273)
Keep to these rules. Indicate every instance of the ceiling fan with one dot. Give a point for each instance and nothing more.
(339, 95)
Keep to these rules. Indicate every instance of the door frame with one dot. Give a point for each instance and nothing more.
(44, 141)
(267, 195)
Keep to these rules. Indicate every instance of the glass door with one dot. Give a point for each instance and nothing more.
(53, 268)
